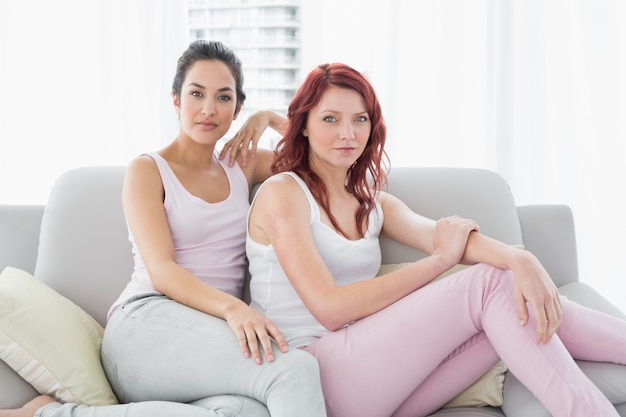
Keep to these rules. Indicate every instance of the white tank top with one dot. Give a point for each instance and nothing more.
(348, 261)
(209, 238)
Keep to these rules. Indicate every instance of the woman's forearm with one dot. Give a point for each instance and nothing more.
(483, 249)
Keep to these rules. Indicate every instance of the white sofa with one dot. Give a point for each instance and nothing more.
(77, 244)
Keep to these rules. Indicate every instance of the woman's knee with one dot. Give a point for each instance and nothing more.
(487, 274)
(233, 405)
(301, 365)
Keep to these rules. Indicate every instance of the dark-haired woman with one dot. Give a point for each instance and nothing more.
(179, 340)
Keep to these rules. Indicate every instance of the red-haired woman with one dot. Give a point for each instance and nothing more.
(394, 346)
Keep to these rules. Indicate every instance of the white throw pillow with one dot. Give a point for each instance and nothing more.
(50, 341)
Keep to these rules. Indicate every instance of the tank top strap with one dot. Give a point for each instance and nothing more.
(172, 187)
(164, 167)
(315, 210)
(236, 177)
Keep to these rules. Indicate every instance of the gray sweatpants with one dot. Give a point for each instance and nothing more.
(165, 359)
(216, 406)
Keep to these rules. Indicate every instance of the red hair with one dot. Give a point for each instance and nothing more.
(292, 151)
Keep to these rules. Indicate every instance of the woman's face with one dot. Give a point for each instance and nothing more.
(207, 105)
(338, 128)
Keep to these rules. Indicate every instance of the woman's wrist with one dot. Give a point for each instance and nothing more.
(517, 258)
(230, 308)
(276, 121)
(439, 263)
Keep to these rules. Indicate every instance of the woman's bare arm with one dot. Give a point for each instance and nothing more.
(247, 138)
(143, 206)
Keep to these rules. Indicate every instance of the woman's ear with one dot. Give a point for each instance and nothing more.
(305, 133)
(176, 102)
(237, 110)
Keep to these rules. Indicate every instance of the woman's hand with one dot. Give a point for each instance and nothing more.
(250, 328)
(247, 138)
(534, 286)
(450, 239)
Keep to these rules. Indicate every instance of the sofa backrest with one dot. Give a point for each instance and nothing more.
(19, 234)
(84, 252)
(434, 192)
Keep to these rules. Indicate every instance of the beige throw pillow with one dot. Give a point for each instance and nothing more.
(50, 341)
(486, 391)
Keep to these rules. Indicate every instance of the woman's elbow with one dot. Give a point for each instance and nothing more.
(330, 310)
(161, 278)
(330, 319)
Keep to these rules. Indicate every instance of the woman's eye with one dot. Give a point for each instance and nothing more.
(329, 119)
(225, 98)
(196, 94)
(361, 119)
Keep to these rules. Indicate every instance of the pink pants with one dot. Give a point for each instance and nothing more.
(420, 352)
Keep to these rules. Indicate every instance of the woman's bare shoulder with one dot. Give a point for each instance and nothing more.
(280, 188)
(142, 172)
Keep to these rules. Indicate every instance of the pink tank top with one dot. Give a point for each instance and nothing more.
(209, 238)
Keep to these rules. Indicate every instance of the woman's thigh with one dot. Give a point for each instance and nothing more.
(370, 367)
(158, 349)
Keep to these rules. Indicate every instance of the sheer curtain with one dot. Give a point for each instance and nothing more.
(85, 82)
(531, 89)
(558, 113)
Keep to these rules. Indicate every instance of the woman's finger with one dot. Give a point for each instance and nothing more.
(253, 344)
(266, 344)
(278, 337)
(243, 342)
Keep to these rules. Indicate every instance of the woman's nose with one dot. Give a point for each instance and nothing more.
(208, 108)
(346, 131)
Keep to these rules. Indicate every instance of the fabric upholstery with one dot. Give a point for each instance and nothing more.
(84, 212)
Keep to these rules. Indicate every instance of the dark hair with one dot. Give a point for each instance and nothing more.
(292, 151)
(209, 50)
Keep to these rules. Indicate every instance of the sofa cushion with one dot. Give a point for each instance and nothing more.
(608, 377)
(51, 342)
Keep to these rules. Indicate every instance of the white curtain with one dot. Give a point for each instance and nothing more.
(85, 82)
(557, 116)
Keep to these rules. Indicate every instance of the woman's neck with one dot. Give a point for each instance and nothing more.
(334, 180)
(189, 153)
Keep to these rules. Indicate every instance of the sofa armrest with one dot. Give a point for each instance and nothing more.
(19, 242)
(585, 295)
(548, 232)
(19, 235)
